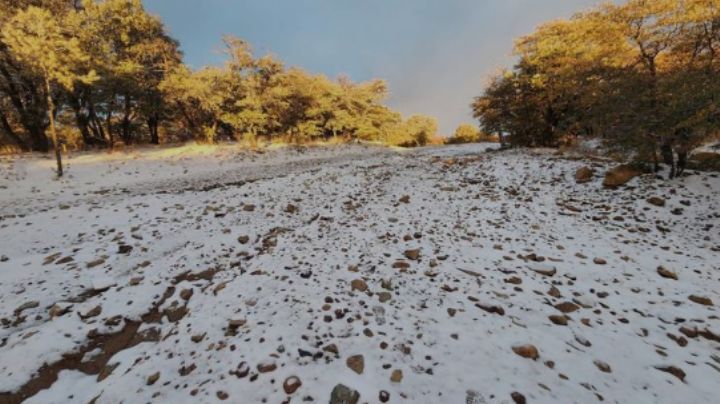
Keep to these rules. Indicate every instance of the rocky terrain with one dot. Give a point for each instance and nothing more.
(356, 274)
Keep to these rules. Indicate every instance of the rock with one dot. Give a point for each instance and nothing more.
(567, 307)
(491, 309)
(554, 292)
(266, 367)
(384, 396)
(356, 363)
(27, 305)
(4, 258)
(604, 367)
(221, 395)
(527, 351)
(412, 255)
(620, 175)
(518, 398)
(404, 199)
(94, 312)
(248, 208)
(332, 348)
(359, 284)
(58, 310)
(599, 261)
(153, 378)
(559, 320)
(342, 394)
(186, 294)
(291, 384)
(243, 239)
(125, 249)
(666, 273)
(197, 338)
(544, 270)
(656, 200)
(675, 371)
(242, 370)
(703, 300)
(384, 296)
(290, 208)
(584, 174)
(236, 323)
(396, 376)
(175, 313)
(94, 263)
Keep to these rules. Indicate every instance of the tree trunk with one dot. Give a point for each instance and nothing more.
(126, 121)
(53, 131)
(152, 123)
(11, 133)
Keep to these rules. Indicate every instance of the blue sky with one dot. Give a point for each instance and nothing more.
(435, 54)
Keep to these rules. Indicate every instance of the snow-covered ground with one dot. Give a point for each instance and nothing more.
(202, 274)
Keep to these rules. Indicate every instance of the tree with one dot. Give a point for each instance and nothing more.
(465, 133)
(40, 42)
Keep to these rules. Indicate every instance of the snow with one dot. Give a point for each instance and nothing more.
(477, 218)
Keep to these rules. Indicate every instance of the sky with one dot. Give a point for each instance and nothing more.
(436, 55)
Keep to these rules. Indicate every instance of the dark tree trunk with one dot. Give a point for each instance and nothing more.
(126, 136)
(152, 123)
(31, 117)
(11, 133)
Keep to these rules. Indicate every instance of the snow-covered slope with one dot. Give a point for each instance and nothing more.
(429, 272)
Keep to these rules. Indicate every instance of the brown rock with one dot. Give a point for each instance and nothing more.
(396, 376)
(567, 307)
(291, 384)
(356, 363)
(620, 175)
(604, 367)
(559, 320)
(384, 296)
(384, 396)
(404, 199)
(518, 398)
(656, 200)
(704, 300)
(342, 394)
(599, 261)
(584, 174)
(243, 239)
(266, 367)
(359, 284)
(153, 378)
(413, 255)
(666, 273)
(527, 351)
(675, 371)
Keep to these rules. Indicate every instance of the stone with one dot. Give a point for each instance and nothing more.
(266, 367)
(384, 296)
(396, 376)
(527, 351)
(291, 384)
(186, 294)
(703, 300)
(153, 378)
(599, 261)
(675, 371)
(559, 320)
(620, 175)
(544, 270)
(584, 174)
(604, 367)
(243, 239)
(656, 201)
(413, 255)
(359, 284)
(125, 249)
(384, 396)
(342, 394)
(356, 363)
(518, 398)
(567, 307)
(666, 273)
(404, 199)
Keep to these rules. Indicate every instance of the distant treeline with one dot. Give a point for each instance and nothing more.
(98, 73)
(642, 75)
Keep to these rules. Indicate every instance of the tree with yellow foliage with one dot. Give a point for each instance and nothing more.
(52, 52)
